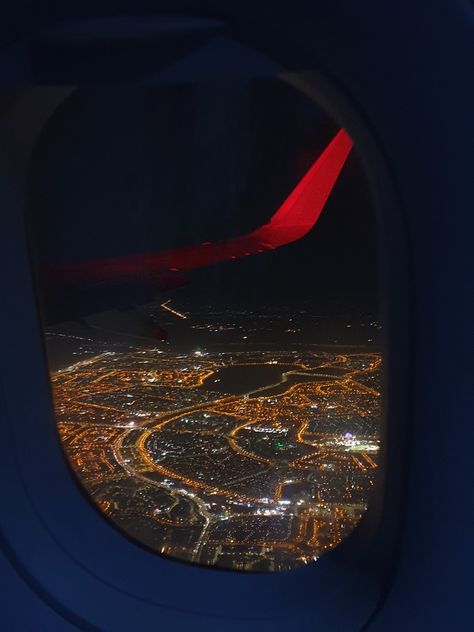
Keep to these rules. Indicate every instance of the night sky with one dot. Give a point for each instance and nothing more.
(123, 171)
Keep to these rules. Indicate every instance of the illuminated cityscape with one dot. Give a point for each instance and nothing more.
(241, 457)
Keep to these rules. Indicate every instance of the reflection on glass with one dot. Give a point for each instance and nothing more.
(208, 282)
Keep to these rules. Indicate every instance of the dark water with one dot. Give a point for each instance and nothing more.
(242, 378)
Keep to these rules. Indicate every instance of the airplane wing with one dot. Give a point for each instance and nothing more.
(293, 220)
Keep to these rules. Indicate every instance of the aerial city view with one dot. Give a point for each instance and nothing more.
(216, 354)
(247, 458)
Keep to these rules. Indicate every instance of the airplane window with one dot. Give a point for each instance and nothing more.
(207, 275)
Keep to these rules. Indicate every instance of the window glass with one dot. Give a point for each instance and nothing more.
(207, 276)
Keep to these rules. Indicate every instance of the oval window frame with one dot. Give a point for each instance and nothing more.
(68, 556)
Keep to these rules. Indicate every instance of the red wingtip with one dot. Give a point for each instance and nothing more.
(301, 210)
